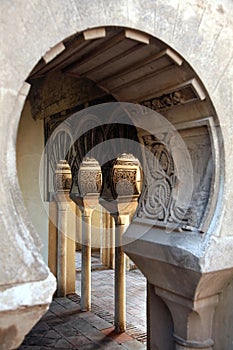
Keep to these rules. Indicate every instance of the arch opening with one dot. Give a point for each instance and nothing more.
(156, 78)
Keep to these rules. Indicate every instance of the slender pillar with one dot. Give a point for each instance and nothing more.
(86, 262)
(121, 202)
(104, 241)
(120, 267)
(62, 186)
(85, 191)
(111, 233)
(61, 249)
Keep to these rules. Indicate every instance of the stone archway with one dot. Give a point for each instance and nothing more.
(19, 59)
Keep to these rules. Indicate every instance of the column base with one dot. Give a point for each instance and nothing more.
(182, 344)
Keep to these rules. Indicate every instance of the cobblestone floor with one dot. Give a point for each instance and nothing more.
(65, 327)
(102, 292)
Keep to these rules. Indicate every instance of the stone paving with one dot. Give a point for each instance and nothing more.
(102, 292)
(65, 327)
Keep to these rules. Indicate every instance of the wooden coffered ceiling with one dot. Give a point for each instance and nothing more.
(130, 65)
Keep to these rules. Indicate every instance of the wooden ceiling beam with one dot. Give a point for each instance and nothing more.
(89, 56)
(83, 41)
(114, 59)
(70, 50)
(142, 63)
(144, 77)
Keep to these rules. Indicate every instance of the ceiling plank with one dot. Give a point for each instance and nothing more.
(70, 50)
(140, 79)
(141, 63)
(113, 59)
(109, 43)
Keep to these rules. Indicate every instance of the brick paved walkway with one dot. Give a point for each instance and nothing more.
(65, 327)
(102, 292)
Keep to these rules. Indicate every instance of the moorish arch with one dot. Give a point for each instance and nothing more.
(194, 256)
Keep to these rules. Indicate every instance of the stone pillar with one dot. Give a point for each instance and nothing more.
(104, 238)
(108, 241)
(121, 201)
(85, 191)
(62, 186)
(86, 261)
(61, 247)
(78, 234)
(159, 322)
(120, 268)
(192, 320)
(111, 233)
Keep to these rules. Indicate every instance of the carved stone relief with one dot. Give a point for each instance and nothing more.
(126, 176)
(63, 179)
(159, 198)
(89, 177)
(179, 95)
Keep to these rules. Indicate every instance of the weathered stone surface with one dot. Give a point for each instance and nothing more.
(13, 329)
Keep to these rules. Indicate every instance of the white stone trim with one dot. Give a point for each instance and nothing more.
(28, 294)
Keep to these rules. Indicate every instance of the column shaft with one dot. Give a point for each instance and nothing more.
(120, 309)
(61, 253)
(86, 264)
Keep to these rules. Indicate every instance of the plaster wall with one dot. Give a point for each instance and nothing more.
(30, 145)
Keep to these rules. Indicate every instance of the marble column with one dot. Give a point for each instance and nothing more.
(86, 261)
(62, 186)
(120, 268)
(62, 204)
(85, 191)
(121, 200)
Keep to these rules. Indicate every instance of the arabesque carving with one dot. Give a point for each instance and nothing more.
(184, 93)
(63, 178)
(126, 176)
(89, 177)
(158, 200)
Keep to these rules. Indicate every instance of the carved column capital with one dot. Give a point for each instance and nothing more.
(192, 319)
(86, 186)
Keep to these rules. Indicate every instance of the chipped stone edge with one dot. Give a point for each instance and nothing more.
(28, 294)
